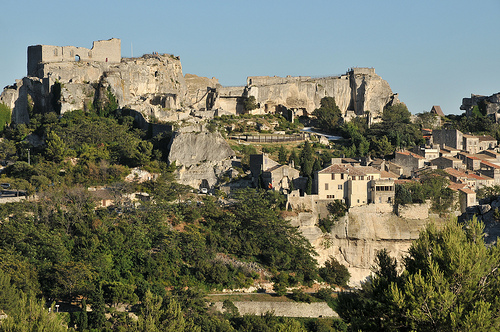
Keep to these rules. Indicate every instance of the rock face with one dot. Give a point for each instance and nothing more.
(356, 92)
(200, 156)
(66, 78)
(489, 104)
(355, 239)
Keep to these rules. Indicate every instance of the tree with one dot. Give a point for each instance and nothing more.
(328, 116)
(282, 155)
(31, 314)
(56, 149)
(397, 113)
(250, 103)
(5, 115)
(97, 316)
(306, 159)
(450, 283)
(334, 273)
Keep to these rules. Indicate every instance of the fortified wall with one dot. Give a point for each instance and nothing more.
(101, 51)
(65, 78)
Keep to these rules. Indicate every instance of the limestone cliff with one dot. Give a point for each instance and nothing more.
(355, 239)
(356, 92)
(66, 78)
(200, 156)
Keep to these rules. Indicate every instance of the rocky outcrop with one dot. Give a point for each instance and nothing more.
(355, 239)
(488, 213)
(155, 86)
(200, 156)
(490, 105)
(356, 92)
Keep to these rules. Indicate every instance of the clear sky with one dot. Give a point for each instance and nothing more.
(430, 52)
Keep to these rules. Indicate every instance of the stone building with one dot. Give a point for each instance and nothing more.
(382, 191)
(280, 178)
(490, 170)
(467, 197)
(429, 152)
(455, 139)
(470, 143)
(409, 161)
(355, 185)
(448, 137)
(258, 164)
(445, 162)
(487, 142)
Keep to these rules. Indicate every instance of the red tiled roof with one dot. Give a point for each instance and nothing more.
(467, 190)
(335, 168)
(487, 163)
(388, 175)
(408, 153)
(349, 169)
(437, 110)
(486, 138)
(456, 186)
(455, 172)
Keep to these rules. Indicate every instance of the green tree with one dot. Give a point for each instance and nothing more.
(450, 283)
(5, 116)
(97, 317)
(31, 314)
(250, 103)
(328, 116)
(56, 149)
(334, 273)
(282, 155)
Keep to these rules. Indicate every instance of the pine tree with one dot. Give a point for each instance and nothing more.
(282, 155)
(98, 316)
(56, 149)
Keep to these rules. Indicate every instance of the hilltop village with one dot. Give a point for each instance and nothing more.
(282, 185)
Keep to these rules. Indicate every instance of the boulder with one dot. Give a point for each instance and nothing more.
(200, 156)
(484, 208)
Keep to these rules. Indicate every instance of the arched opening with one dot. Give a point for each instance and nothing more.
(77, 58)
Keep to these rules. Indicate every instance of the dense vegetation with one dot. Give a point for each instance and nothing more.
(160, 256)
(450, 282)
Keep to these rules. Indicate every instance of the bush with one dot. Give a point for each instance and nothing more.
(5, 116)
(334, 273)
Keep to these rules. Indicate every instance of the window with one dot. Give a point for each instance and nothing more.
(330, 196)
(342, 176)
(361, 177)
(333, 176)
(354, 178)
(340, 187)
(326, 186)
(358, 200)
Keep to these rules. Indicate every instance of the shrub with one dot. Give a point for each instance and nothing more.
(335, 273)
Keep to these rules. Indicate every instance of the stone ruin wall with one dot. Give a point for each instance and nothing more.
(101, 51)
(155, 86)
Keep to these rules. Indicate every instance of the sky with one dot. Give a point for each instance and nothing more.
(430, 52)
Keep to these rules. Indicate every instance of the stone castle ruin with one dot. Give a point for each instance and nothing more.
(101, 51)
(65, 78)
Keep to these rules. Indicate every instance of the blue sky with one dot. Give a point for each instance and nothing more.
(431, 52)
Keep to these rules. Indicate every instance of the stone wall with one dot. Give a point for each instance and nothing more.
(414, 211)
(282, 309)
(101, 51)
